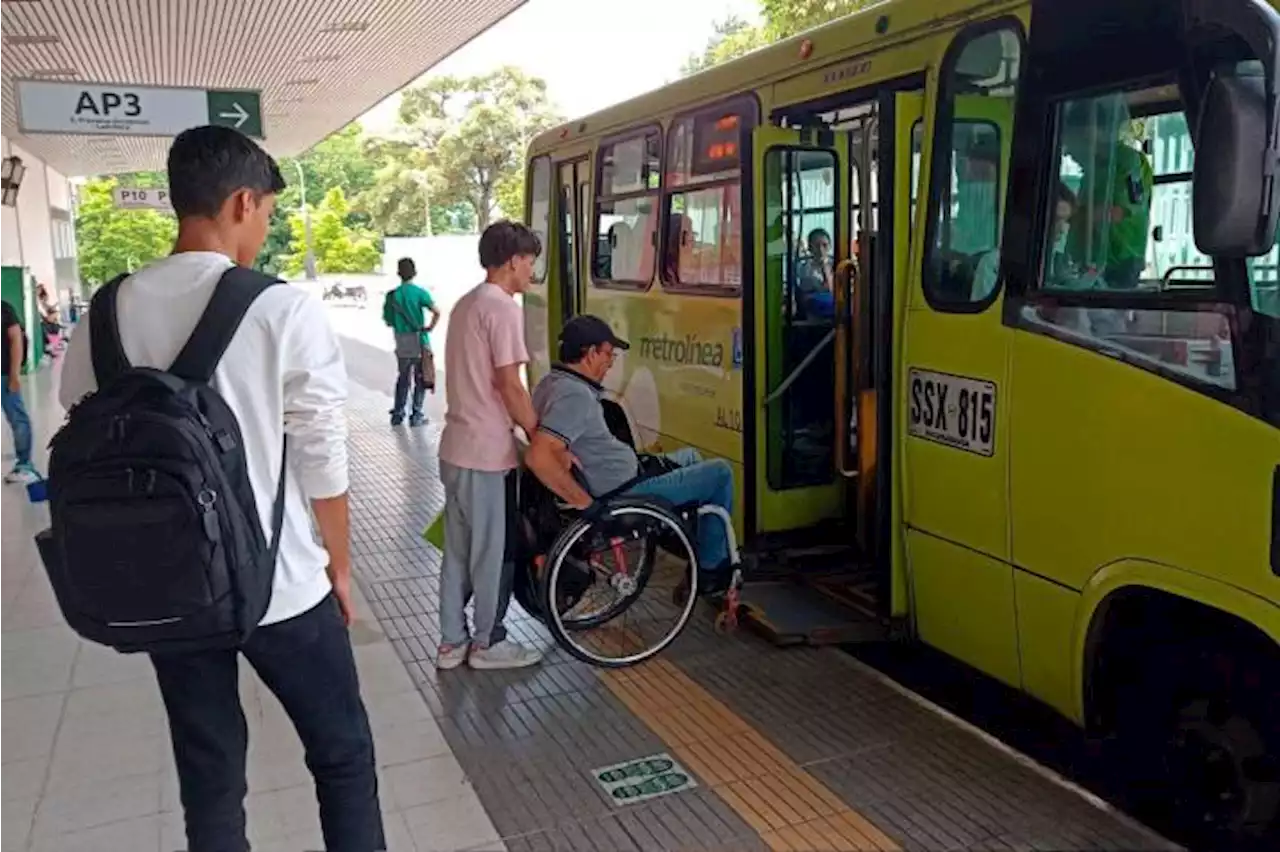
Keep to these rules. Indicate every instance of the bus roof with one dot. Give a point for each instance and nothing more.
(887, 22)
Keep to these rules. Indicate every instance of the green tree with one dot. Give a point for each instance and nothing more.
(730, 38)
(338, 246)
(780, 19)
(472, 135)
(110, 240)
(341, 160)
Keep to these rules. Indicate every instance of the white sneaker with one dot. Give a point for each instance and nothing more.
(22, 475)
(505, 655)
(452, 656)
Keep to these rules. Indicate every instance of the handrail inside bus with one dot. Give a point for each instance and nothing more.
(800, 368)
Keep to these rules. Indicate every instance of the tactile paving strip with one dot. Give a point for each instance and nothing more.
(793, 750)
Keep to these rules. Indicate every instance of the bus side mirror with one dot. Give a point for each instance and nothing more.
(1233, 194)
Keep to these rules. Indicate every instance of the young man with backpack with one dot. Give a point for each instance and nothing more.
(206, 418)
(15, 412)
(404, 310)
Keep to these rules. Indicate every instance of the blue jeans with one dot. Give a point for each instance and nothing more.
(16, 413)
(307, 662)
(410, 372)
(701, 482)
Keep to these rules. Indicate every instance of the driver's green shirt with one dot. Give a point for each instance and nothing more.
(1110, 226)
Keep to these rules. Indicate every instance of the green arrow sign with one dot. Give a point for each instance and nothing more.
(241, 110)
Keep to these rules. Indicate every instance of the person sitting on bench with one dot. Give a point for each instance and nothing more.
(572, 432)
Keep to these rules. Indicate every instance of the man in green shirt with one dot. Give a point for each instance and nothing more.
(1112, 222)
(405, 309)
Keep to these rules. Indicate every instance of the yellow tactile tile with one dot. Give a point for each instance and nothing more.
(789, 808)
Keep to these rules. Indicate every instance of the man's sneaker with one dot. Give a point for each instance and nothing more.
(505, 655)
(452, 656)
(417, 420)
(23, 474)
(397, 419)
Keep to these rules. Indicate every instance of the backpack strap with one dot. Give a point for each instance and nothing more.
(232, 296)
(109, 360)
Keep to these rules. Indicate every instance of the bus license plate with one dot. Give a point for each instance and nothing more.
(952, 410)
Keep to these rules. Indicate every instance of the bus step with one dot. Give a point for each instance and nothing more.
(790, 613)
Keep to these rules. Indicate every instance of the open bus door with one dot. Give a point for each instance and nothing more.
(800, 190)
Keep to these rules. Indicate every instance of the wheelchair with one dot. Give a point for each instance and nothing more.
(615, 584)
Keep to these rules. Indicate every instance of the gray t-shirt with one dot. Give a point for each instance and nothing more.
(568, 408)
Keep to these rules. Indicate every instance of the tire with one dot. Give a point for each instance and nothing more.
(575, 634)
(1203, 742)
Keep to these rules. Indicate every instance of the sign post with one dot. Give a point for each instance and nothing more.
(136, 198)
(110, 110)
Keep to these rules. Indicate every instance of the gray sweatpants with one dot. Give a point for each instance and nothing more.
(476, 562)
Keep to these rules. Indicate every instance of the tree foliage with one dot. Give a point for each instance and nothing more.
(780, 19)
(472, 134)
(338, 246)
(110, 240)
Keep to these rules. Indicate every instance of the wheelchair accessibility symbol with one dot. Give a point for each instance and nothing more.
(643, 779)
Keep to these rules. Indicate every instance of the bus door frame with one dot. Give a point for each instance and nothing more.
(572, 176)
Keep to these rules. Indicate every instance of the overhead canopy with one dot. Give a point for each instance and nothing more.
(318, 64)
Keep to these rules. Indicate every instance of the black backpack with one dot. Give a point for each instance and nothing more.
(155, 543)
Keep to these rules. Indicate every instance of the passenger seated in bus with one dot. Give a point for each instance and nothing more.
(815, 292)
(679, 241)
(572, 432)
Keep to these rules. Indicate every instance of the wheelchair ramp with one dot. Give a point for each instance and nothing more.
(793, 612)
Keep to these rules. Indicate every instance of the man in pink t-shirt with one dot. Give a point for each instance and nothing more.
(486, 399)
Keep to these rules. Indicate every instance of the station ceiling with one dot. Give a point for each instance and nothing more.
(319, 64)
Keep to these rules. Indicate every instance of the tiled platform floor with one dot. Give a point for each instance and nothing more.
(792, 750)
(87, 765)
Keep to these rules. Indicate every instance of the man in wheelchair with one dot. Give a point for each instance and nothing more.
(577, 456)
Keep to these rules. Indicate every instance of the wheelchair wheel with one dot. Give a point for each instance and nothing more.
(608, 590)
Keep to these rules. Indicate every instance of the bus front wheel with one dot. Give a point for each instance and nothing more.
(1202, 742)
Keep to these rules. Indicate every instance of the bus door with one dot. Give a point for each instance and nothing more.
(573, 193)
(800, 192)
(956, 354)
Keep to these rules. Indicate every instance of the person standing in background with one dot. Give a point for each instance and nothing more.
(486, 398)
(405, 309)
(15, 411)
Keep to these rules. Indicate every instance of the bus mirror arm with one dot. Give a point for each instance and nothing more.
(1236, 177)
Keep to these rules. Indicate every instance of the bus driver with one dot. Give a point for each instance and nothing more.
(572, 428)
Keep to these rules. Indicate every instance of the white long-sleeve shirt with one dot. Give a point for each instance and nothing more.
(282, 374)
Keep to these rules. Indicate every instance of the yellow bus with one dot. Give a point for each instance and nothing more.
(993, 347)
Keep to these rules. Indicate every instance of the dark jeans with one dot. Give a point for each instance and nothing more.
(410, 370)
(308, 664)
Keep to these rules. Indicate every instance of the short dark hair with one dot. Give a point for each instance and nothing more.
(208, 164)
(1065, 194)
(406, 268)
(504, 240)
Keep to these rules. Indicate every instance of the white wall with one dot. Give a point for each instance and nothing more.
(29, 237)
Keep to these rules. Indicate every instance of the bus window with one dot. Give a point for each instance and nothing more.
(965, 198)
(703, 246)
(627, 211)
(1120, 224)
(540, 211)
(917, 149)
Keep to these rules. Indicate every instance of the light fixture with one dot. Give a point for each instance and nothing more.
(33, 38)
(321, 59)
(54, 73)
(11, 173)
(304, 81)
(345, 27)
